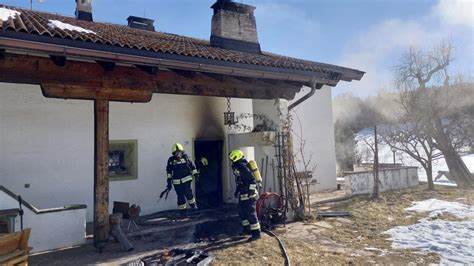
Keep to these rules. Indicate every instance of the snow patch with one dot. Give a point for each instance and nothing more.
(454, 241)
(435, 207)
(6, 13)
(66, 26)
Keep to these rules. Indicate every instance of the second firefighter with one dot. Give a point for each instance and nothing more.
(180, 171)
(247, 193)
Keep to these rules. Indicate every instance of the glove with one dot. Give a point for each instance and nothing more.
(196, 177)
(168, 186)
(236, 194)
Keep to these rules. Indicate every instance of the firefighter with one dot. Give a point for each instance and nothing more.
(246, 192)
(180, 171)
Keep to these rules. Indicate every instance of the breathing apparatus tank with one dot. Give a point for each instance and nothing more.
(256, 172)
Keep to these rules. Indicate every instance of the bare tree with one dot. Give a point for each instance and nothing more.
(371, 118)
(415, 75)
(370, 138)
(408, 138)
(306, 160)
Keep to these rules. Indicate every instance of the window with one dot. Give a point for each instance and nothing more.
(123, 160)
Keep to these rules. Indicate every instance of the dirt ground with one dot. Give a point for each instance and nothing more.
(357, 240)
(354, 240)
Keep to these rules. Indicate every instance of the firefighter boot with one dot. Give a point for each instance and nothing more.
(245, 231)
(255, 235)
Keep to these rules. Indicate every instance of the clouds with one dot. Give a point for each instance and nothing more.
(377, 49)
(285, 28)
(455, 12)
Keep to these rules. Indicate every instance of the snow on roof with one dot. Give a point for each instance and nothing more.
(65, 26)
(6, 13)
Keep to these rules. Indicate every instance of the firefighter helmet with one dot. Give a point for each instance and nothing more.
(236, 155)
(177, 147)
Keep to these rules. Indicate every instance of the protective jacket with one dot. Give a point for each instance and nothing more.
(245, 180)
(180, 170)
(180, 173)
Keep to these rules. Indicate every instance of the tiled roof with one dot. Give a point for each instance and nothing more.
(34, 22)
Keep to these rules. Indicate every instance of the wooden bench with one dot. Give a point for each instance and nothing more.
(14, 248)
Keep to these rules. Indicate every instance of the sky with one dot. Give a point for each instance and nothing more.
(369, 35)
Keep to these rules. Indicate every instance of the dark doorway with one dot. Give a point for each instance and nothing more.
(209, 186)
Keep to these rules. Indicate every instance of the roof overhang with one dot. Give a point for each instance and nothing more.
(74, 48)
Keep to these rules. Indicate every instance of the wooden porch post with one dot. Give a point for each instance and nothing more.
(101, 174)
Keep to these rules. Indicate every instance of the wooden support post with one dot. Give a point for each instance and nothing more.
(101, 173)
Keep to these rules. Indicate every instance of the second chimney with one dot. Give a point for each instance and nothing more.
(234, 27)
(84, 10)
(141, 23)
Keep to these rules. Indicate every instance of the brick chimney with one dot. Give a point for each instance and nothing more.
(234, 27)
(84, 10)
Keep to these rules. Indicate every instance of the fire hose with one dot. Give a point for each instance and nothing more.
(282, 246)
(270, 210)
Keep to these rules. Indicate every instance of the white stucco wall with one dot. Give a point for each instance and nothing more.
(49, 144)
(51, 230)
(315, 115)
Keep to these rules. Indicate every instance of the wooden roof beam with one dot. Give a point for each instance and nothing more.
(106, 65)
(58, 60)
(185, 73)
(91, 81)
(152, 70)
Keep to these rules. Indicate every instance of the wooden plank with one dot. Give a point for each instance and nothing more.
(23, 260)
(25, 236)
(11, 255)
(77, 74)
(111, 93)
(10, 242)
(101, 175)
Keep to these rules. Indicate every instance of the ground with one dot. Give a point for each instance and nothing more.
(355, 240)
(358, 239)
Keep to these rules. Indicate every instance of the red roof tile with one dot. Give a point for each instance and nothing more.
(34, 22)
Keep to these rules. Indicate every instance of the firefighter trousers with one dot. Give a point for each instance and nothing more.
(248, 216)
(185, 193)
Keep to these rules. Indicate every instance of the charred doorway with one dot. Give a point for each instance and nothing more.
(208, 154)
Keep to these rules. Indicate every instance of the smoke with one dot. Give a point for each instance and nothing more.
(352, 114)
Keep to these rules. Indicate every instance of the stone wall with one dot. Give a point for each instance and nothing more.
(361, 183)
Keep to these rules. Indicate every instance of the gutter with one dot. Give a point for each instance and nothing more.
(315, 86)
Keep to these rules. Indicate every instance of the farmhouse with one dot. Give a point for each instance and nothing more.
(89, 111)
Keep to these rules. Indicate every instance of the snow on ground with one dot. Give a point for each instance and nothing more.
(442, 206)
(454, 241)
(6, 13)
(65, 26)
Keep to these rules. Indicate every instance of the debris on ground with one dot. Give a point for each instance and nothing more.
(327, 214)
(359, 239)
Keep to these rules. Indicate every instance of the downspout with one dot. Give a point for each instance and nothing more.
(314, 86)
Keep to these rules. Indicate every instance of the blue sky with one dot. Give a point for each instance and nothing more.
(368, 35)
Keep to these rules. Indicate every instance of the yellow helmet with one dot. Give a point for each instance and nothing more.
(204, 161)
(177, 147)
(236, 155)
